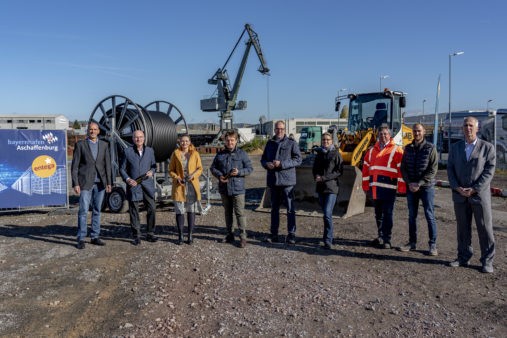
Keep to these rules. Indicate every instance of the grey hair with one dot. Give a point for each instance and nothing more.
(471, 118)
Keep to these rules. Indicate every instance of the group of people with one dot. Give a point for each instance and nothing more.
(387, 169)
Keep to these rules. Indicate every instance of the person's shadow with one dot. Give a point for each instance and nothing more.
(62, 234)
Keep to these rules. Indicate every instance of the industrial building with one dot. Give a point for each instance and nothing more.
(34, 121)
(295, 125)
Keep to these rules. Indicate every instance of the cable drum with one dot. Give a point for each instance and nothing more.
(119, 117)
(163, 134)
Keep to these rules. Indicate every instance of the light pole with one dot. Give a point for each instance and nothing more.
(494, 122)
(450, 115)
(422, 112)
(382, 77)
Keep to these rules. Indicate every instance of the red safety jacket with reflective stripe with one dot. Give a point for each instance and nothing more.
(381, 171)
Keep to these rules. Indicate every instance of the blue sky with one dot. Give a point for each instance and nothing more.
(63, 57)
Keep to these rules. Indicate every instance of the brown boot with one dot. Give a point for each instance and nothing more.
(242, 243)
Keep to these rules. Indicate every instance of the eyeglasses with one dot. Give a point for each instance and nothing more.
(279, 128)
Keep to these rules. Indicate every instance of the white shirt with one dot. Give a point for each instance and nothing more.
(469, 148)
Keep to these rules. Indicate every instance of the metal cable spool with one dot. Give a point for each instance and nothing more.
(159, 125)
(118, 117)
(164, 120)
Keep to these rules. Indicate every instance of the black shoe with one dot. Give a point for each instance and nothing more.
(377, 242)
(80, 245)
(229, 238)
(97, 241)
(180, 240)
(272, 239)
(327, 246)
(190, 239)
(291, 239)
(136, 242)
(151, 239)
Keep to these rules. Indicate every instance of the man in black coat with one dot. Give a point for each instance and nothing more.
(91, 178)
(419, 167)
(138, 171)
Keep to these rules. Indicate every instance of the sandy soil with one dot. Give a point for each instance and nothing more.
(49, 288)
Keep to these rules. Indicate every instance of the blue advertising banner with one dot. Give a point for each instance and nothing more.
(33, 168)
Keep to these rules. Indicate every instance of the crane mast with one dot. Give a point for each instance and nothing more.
(226, 100)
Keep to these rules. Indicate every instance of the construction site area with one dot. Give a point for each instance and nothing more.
(212, 288)
(214, 285)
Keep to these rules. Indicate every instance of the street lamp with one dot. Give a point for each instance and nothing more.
(422, 111)
(382, 77)
(493, 114)
(450, 114)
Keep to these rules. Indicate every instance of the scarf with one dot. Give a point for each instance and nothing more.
(326, 150)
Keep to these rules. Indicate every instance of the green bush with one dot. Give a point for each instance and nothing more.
(255, 144)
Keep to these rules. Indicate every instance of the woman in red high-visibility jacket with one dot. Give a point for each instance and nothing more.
(382, 175)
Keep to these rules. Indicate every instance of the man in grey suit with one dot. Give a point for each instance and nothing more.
(470, 167)
(91, 177)
(138, 171)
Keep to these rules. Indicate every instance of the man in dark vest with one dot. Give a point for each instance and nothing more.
(419, 166)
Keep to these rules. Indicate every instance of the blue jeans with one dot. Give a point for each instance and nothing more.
(327, 202)
(427, 196)
(384, 218)
(95, 194)
(287, 193)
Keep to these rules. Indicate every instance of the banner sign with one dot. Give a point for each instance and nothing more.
(33, 168)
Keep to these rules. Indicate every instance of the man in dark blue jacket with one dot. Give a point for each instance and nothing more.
(281, 157)
(230, 166)
(138, 171)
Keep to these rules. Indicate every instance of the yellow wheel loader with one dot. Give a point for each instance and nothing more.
(367, 112)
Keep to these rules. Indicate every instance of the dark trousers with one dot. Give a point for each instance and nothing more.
(327, 202)
(287, 193)
(384, 218)
(135, 224)
(427, 197)
(483, 221)
(235, 203)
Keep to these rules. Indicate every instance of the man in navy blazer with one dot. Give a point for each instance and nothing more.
(138, 171)
(91, 178)
(470, 167)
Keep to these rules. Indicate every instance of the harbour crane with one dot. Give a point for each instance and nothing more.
(226, 100)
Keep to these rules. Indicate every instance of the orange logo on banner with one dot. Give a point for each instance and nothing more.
(44, 166)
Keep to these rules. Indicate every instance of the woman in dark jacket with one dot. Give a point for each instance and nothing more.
(328, 166)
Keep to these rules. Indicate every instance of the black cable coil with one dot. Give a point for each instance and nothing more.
(159, 130)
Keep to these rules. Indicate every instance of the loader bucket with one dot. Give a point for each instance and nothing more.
(351, 197)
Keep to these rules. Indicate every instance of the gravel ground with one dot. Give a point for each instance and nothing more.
(49, 288)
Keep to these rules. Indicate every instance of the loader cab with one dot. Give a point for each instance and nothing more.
(371, 110)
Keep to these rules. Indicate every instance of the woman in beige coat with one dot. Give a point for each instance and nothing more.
(185, 168)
